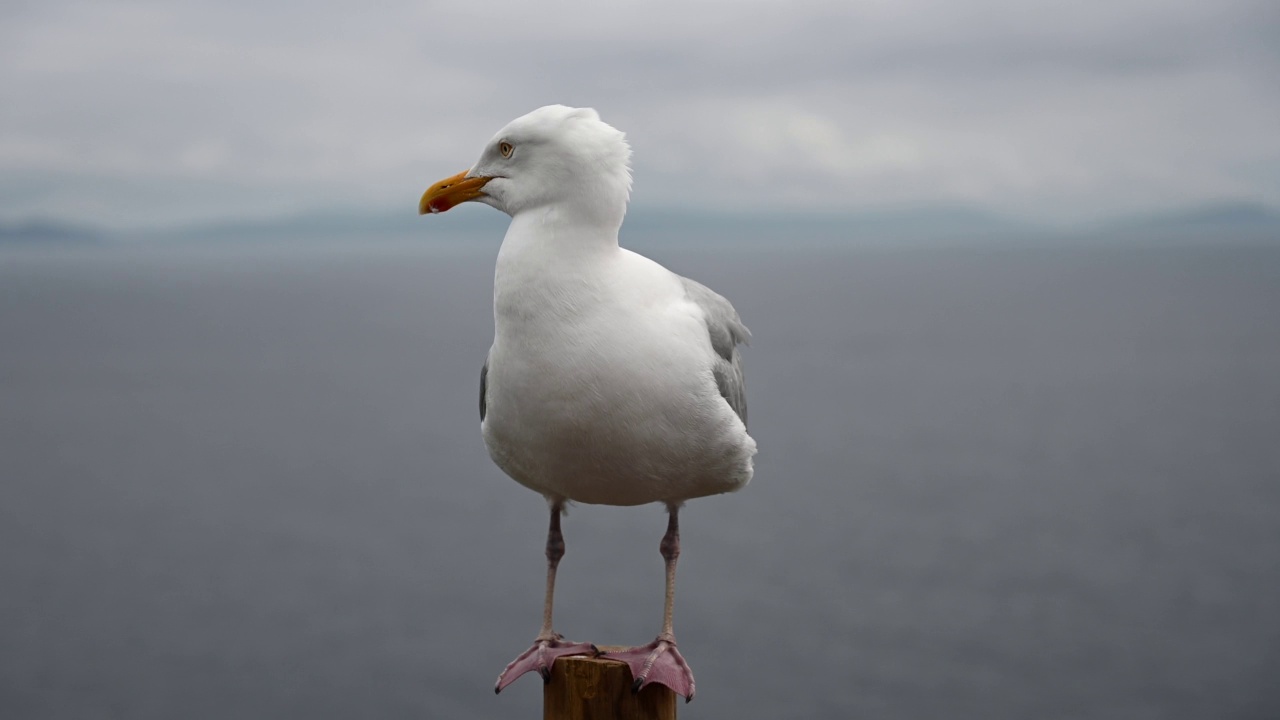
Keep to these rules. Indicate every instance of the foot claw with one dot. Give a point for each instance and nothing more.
(658, 662)
(541, 657)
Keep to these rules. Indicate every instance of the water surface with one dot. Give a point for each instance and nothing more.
(994, 482)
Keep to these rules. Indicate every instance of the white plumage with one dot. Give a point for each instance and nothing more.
(611, 380)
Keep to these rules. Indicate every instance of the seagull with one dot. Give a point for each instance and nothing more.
(611, 380)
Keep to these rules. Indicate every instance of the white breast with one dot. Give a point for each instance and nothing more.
(599, 384)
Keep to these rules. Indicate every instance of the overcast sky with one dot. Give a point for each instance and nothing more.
(144, 114)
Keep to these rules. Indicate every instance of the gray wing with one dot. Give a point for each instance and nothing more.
(727, 332)
(484, 384)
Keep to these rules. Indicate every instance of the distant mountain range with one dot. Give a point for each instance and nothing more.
(48, 231)
(1218, 222)
(1236, 216)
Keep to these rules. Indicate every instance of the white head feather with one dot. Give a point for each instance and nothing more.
(558, 156)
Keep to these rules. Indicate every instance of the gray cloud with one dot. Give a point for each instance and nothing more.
(147, 113)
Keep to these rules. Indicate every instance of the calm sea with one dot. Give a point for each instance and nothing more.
(994, 482)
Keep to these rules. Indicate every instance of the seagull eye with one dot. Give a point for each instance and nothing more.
(506, 149)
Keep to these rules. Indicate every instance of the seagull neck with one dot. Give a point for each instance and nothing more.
(566, 227)
(549, 270)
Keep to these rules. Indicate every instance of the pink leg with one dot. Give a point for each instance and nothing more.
(659, 661)
(549, 645)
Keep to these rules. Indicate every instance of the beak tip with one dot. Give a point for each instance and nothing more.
(451, 192)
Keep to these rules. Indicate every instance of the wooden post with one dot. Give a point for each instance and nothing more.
(584, 688)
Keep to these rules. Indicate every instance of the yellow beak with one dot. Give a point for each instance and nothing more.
(451, 191)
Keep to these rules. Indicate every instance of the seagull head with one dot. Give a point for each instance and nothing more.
(555, 156)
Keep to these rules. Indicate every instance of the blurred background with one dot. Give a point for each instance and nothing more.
(1013, 272)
